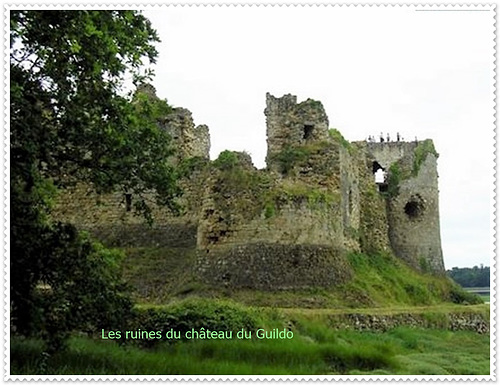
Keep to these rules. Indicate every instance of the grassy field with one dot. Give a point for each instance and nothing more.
(315, 349)
(169, 296)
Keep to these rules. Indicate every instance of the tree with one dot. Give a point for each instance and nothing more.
(72, 122)
(471, 277)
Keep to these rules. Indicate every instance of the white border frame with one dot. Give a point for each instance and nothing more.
(5, 219)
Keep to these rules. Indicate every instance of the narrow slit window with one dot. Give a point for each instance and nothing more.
(308, 131)
(128, 201)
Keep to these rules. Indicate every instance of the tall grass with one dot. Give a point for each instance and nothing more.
(315, 349)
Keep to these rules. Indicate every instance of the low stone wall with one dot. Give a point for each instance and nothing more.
(452, 321)
(274, 266)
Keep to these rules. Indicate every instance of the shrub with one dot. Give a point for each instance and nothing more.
(289, 157)
(226, 160)
(269, 210)
(339, 138)
(188, 166)
(393, 180)
(460, 296)
(195, 314)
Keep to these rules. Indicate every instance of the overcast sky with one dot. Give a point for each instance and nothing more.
(420, 73)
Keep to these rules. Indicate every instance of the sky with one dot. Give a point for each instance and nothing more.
(424, 74)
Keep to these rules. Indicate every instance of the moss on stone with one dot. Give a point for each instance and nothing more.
(339, 138)
(393, 180)
(298, 192)
(292, 156)
(421, 151)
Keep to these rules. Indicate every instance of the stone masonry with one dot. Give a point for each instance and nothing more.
(291, 225)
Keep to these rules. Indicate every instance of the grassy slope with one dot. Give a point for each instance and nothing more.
(162, 275)
(157, 274)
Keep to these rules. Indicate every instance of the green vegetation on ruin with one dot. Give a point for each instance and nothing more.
(191, 165)
(315, 104)
(423, 148)
(293, 156)
(379, 281)
(394, 178)
(249, 185)
(228, 160)
(297, 192)
(397, 173)
(337, 136)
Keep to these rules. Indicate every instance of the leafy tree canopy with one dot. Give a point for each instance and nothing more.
(71, 121)
(471, 276)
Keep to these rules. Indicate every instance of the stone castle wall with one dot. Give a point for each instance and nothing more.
(270, 235)
(111, 217)
(289, 226)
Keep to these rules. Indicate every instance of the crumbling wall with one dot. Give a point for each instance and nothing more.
(290, 124)
(187, 140)
(259, 231)
(373, 230)
(111, 217)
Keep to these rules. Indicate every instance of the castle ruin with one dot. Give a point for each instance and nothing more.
(291, 225)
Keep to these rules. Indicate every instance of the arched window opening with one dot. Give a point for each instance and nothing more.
(376, 166)
(380, 176)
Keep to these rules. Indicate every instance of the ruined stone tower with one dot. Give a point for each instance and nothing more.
(413, 201)
(290, 124)
(403, 215)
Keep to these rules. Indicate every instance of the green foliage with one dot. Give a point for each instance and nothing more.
(315, 349)
(227, 160)
(269, 210)
(196, 314)
(84, 292)
(423, 148)
(313, 103)
(471, 276)
(190, 165)
(337, 137)
(393, 179)
(383, 280)
(290, 156)
(460, 296)
(70, 123)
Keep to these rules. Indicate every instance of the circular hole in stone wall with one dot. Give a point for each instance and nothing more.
(415, 207)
